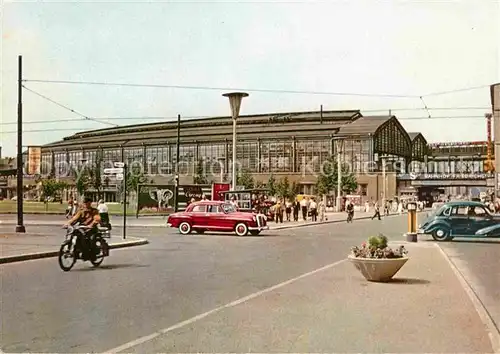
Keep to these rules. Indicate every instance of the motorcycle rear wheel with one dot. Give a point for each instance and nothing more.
(66, 251)
(96, 260)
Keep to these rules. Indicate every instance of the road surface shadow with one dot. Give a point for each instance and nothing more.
(233, 235)
(111, 266)
(409, 281)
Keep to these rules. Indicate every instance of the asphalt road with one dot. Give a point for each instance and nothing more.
(174, 278)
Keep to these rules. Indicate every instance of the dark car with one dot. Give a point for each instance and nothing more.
(461, 218)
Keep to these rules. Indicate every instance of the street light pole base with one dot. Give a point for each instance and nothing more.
(20, 229)
(411, 237)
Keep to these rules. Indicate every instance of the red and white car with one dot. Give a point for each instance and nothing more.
(217, 216)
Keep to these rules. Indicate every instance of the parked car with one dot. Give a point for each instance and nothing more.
(461, 218)
(217, 216)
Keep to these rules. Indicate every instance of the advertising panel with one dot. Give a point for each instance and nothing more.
(34, 160)
(217, 188)
(155, 199)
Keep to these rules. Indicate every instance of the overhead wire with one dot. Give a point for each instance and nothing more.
(439, 93)
(65, 107)
(220, 88)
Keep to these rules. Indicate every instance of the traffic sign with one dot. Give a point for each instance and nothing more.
(119, 176)
(113, 170)
(120, 164)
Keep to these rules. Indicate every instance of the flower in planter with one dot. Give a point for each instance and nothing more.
(377, 247)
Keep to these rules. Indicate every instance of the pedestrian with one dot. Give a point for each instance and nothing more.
(278, 211)
(288, 209)
(69, 209)
(322, 210)
(233, 202)
(400, 208)
(367, 206)
(303, 207)
(296, 210)
(350, 211)
(377, 211)
(313, 207)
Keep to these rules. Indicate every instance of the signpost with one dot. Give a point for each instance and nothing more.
(119, 172)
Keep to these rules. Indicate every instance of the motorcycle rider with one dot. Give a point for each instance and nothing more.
(87, 216)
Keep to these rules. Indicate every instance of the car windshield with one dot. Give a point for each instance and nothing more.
(228, 208)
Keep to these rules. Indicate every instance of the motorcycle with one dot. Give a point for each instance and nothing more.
(71, 249)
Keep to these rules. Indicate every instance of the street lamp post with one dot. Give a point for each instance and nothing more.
(235, 102)
(339, 145)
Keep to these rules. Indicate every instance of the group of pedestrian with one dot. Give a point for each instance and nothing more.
(291, 210)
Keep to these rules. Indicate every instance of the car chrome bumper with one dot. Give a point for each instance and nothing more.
(259, 228)
(168, 224)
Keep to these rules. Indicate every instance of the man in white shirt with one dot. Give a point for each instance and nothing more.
(314, 210)
(303, 207)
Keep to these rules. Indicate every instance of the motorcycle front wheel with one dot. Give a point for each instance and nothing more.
(67, 257)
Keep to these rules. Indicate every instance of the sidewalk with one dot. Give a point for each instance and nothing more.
(331, 217)
(425, 309)
(160, 221)
(34, 246)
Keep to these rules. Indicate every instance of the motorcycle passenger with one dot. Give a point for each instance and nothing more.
(104, 214)
(87, 216)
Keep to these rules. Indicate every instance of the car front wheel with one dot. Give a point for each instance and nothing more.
(185, 228)
(241, 229)
(441, 234)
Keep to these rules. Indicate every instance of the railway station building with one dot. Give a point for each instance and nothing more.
(294, 144)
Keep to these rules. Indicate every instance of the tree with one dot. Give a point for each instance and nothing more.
(327, 180)
(82, 181)
(135, 176)
(51, 187)
(89, 177)
(199, 175)
(245, 179)
(271, 185)
(285, 189)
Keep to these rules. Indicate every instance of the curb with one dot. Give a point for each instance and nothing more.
(491, 327)
(50, 254)
(323, 223)
(132, 215)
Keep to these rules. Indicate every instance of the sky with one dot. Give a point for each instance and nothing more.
(400, 48)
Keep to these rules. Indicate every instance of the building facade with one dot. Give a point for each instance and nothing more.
(297, 145)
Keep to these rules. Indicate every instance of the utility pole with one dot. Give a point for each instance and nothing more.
(20, 222)
(124, 200)
(176, 189)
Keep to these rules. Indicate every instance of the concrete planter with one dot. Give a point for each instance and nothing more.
(378, 270)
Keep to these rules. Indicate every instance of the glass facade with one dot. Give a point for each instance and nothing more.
(391, 139)
(60, 163)
(46, 167)
(158, 160)
(356, 155)
(285, 155)
(418, 148)
(311, 155)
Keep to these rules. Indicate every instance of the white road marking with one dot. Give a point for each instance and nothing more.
(187, 322)
(491, 329)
